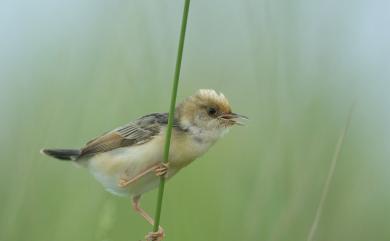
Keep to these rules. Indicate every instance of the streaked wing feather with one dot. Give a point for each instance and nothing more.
(135, 133)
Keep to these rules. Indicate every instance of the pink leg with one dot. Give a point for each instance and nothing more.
(125, 182)
(159, 235)
(160, 169)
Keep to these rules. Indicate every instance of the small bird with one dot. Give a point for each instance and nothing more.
(128, 160)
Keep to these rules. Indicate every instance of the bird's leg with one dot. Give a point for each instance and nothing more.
(123, 182)
(159, 169)
(152, 236)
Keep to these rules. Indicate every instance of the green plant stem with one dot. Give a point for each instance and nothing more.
(329, 178)
(171, 112)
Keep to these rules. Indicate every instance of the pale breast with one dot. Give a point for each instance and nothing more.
(109, 167)
(127, 162)
(185, 149)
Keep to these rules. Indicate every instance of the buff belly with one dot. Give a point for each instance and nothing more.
(127, 162)
(109, 167)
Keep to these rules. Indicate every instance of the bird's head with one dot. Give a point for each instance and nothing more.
(207, 110)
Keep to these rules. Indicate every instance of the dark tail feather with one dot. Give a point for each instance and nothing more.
(62, 154)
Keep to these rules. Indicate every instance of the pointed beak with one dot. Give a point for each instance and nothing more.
(235, 118)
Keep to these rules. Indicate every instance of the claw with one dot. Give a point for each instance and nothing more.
(123, 182)
(161, 170)
(155, 236)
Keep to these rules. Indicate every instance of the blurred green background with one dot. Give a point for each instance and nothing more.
(71, 70)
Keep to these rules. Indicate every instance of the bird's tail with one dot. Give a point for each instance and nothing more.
(62, 154)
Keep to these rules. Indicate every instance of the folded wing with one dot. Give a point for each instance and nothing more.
(138, 132)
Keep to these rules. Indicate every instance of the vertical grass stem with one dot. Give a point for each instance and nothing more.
(329, 177)
(171, 112)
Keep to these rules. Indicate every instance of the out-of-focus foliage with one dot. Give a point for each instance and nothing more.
(70, 70)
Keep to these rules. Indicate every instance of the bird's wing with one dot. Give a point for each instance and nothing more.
(138, 132)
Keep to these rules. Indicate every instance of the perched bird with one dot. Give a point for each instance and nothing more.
(129, 160)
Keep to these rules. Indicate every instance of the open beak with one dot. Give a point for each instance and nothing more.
(234, 118)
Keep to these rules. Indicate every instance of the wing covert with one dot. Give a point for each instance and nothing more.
(138, 132)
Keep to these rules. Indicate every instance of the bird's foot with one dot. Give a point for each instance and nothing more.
(161, 170)
(123, 182)
(155, 236)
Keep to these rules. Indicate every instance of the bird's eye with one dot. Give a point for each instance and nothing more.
(211, 111)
